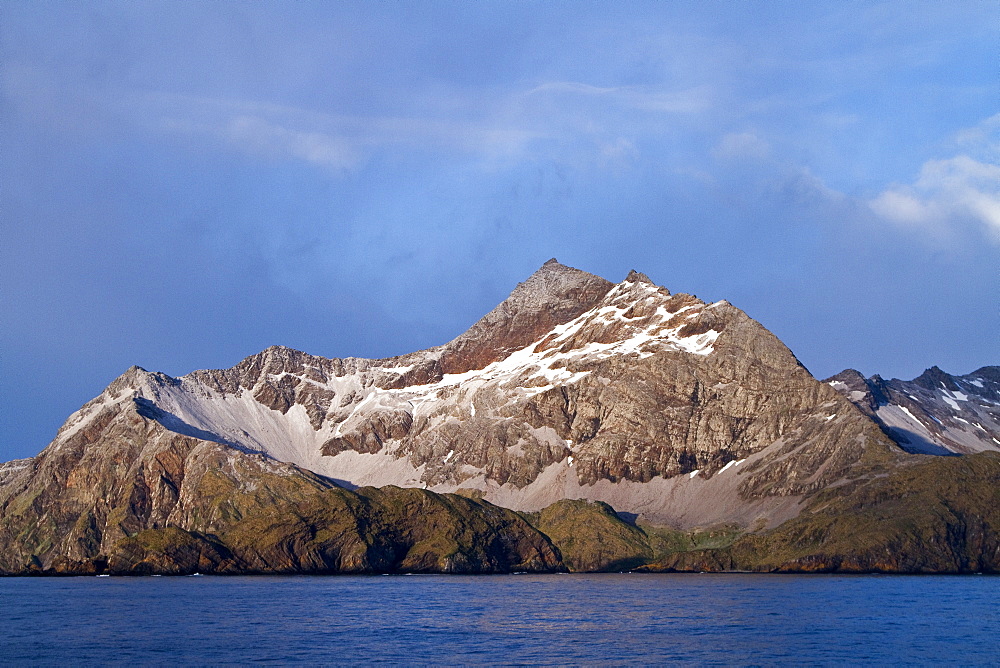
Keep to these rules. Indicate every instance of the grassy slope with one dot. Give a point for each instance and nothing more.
(939, 515)
(591, 537)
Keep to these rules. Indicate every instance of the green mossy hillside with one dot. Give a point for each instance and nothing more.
(170, 551)
(939, 515)
(592, 537)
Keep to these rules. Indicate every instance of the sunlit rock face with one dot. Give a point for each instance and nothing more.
(679, 412)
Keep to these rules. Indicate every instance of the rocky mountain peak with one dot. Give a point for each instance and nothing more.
(990, 373)
(683, 414)
(553, 283)
(848, 377)
(638, 277)
(936, 379)
(553, 295)
(867, 393)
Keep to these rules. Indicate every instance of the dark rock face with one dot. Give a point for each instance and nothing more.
(935, 413)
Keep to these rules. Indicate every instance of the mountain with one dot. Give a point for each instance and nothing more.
(935, 413)
(580, 424)
(123, 494)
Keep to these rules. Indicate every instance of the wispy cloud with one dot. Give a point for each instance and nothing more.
(336, 141)
(741, 146)
(983, 140)
(563, 121)
(256, 135)
(645, 98)
(572, 87)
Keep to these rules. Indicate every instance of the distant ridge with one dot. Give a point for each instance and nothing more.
(935, 413)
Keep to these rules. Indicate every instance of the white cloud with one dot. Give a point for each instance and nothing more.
(951, 194)
(947, 194)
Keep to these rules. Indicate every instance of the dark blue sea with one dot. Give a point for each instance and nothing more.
(518, 619)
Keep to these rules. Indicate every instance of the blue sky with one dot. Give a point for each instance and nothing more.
(185, 184)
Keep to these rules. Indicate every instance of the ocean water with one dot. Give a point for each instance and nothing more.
(515, 619)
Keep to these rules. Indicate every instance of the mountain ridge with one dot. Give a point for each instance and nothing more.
(935, 413)
(680, 414)
(355, 410)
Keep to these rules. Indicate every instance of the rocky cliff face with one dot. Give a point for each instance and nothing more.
(935, 413)
(672, 410)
